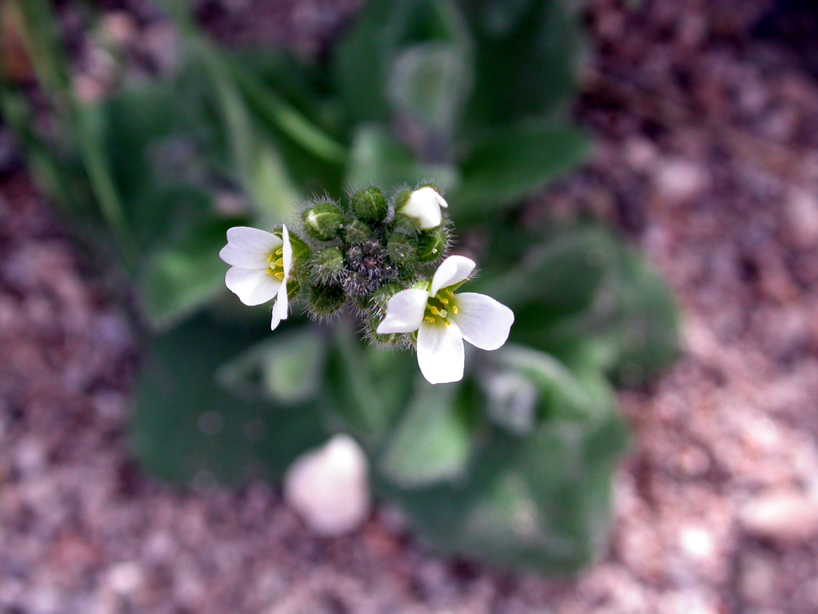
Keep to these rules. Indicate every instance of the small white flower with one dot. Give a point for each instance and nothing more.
(260, 265)
(424, 206)
(444, 319)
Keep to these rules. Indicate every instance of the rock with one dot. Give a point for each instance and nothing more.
(757, 578)
(125, 578)
(782, 516)
(801, 210)
(329, 487)
(680, 180)
(697, 543)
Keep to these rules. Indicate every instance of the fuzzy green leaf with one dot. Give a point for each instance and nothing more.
(538, 501)
(188, 427)
(432, 441)
(508, 165)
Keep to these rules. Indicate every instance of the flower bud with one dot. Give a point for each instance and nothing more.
(323, 221)
(327, 264)
(369, 205)
(432, 245)
(402, 249)
(381, 296)
(356, 232)
(293, 288)
(326, 299)
(423, 206)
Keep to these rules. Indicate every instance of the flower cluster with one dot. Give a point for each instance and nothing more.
(384, 259)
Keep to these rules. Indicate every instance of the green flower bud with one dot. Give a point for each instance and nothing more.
(323, 221)
(381, 296)
(369, 205)
(402, 249)
(327, 264)
(432, 245)
(356, 232)
(293, 288)
(397, 341)
(326, 299)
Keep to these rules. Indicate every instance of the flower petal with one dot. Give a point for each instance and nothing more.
(404, 312)
(440, 353)
(280, 307)
(484, 322)
(252, 286)
(451, 271)
(288, 251)
(248, 248)
(424, 206)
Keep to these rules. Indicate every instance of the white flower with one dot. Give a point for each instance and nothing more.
(260, 265)
(424, 206)
(444, 319)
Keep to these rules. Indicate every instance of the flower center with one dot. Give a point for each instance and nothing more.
(439, 307)
(276, 266)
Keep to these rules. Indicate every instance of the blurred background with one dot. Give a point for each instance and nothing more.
(638, 180)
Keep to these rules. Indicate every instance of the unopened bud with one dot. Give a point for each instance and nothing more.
(323, 221)
(356, 232)
(327, 264)
(326, 299)
(369, 205)
(293, 288)
(432, 245)
(381, 296)
(402, 249)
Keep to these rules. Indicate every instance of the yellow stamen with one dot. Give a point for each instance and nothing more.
(446, 323)
(270, 257)
(429, 319)
(454, 309)
(449, 292)
(279, 263)
(445, 301)
(271, 270)
(434, 310)
(280, 251)
(279, 275)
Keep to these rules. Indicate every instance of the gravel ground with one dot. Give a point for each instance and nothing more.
(707, 158)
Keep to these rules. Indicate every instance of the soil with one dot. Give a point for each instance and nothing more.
(705, 116)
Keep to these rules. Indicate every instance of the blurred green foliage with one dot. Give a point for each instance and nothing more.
(511, 465)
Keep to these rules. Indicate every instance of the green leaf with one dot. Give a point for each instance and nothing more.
(286, 117)
(510, 164)
(523, 383)
(646, 325)
(526, 56)
(187, 427)
(432, 441)
(557, 277)
(365, 59)
(377, 158)
(592, 302)
(288, 368)
(540, 501)
(257, 162)
(427, 87)
(184, 274)
(366, 387)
